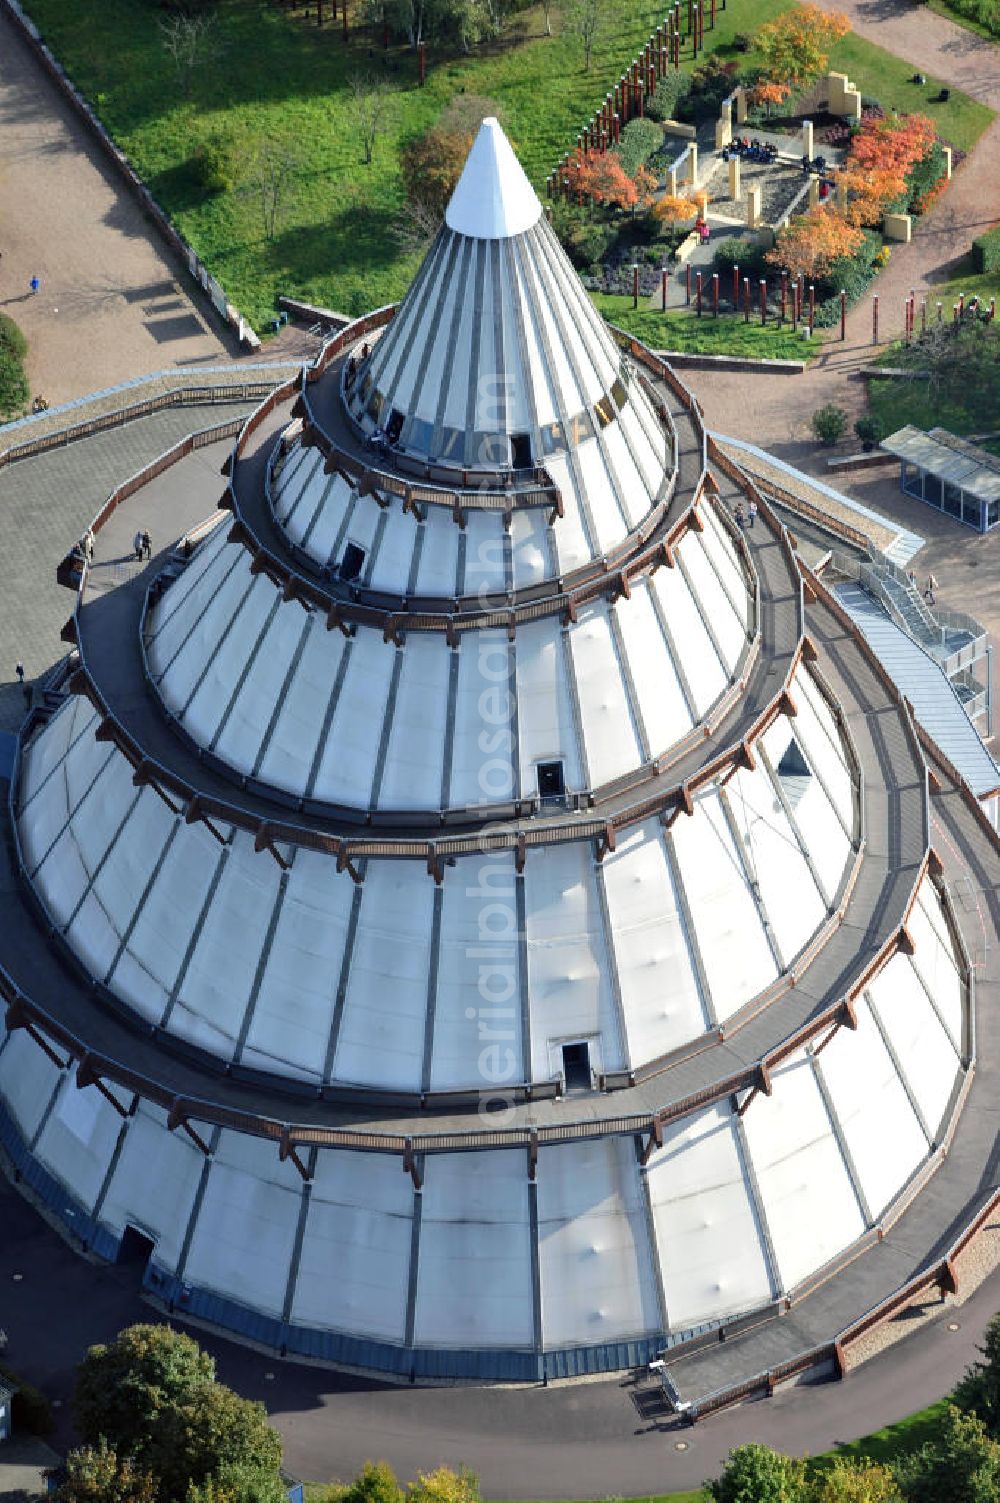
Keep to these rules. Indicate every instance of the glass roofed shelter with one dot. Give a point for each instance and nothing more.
(950, 473)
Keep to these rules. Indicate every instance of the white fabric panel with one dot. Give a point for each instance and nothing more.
(484, 553)
(551, 372)
(239, 743)
(811, 1208)
(792, 901)
(46, 750)
(289, 756)
(431, 321)
(818, 734)
(880, 1127)
(243, 1238)
(348, 762)
(319, 529)
(607, 726)
(592, 1248)
(290, 1029)
(567, 958)
(436, 573)
(201, 621)
(661, 699)
(572, 547)
(65, 872)
(712, 1261)
(482, 768)
(78, 1140)
(923, 1048)
(154, 1184)
(704, 672)
(636, 488)
(814, 814)
(604, 510)
(660, 995)
(364, 521)
(474, 1273)
(391, 568)
(222, 673)
(297, 489)
(477, 1014)
(457, 394)
(209, 1010)
(412, 775)
(734, 948)
(545, 727)
(355, 1259)
(934, 960)
(382, 1033)
(210, 554)
(151, 962)
(28, 1078)
(715, 605)
(98, 927)
(529, 546)
(41, 822)
(721, 550)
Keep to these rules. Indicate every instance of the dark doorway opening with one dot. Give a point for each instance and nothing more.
(551, 780)
(576, 1067)
(520, 450)
(135, 1249)
(352, 562)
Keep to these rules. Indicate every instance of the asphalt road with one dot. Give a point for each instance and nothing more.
(586, 1440)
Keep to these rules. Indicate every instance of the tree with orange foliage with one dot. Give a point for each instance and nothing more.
(603, 180)
(810, 243)
(882, 155)
(795, 47)
(769, 93)
(674, 208)
(645, 188)
(431, 165)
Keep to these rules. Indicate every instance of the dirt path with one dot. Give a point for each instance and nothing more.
(112, 305)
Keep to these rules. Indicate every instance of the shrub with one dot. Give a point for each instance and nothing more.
(710, 84)
(870, 430)
(14, 389)
(829, 423)
(214, 166)
(669, 92)
(923, 178)
(586, 241)
(736, 251)
(639, 140)
(986, 251)
(758, 1473)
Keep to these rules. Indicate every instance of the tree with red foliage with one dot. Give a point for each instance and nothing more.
(810, 243)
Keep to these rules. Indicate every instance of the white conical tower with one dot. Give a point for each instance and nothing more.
(493, 198)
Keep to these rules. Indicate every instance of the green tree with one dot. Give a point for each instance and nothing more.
(239, 1484)
(829, 423)
(979, 1391)
(99, 1475)
(584, 19)
(961, 1464)
(756, 1474)
(375, 1483)
(122, 1389)
(444, 1486)
(855, 1482)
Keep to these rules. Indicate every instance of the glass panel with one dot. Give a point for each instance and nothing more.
(972, 513)
(952, 502)
(993, 513)
(490, 449)
(451, 445)
(375, 404)
(932, 490)
(553, 439)
(420, 435)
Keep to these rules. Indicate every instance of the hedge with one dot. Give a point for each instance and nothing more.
(13, 380)
(986, 251)
(639, 140)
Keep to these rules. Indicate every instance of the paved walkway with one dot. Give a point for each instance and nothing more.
(112, 303)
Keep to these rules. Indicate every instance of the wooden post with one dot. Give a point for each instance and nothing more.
(906, 320)
(746, 300)
(923, 315)
(763, 301)
(784, 294)
(715, 293)
(343, 12)
(385, 36)
(694, 32)
(421, 61)
(663, 289)
(875, 318)
(812, 308)
(687, 282)
(697, 293)
(736, 289)
(713, 14)
(319, 12)
(843, 315)
(940, 310)
(635, 286)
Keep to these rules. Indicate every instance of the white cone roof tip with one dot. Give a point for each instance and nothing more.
(493, 198)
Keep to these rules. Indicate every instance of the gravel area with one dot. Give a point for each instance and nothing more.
(779, 182)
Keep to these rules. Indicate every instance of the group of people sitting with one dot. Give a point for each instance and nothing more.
(750, 150)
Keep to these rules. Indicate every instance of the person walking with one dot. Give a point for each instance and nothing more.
(19, 670)
(34, 284)
(137, 545)
(740, 515)
(751, 513)
(929, 589)
(147, 545)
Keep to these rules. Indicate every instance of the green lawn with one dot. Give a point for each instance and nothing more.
(725, 335)
(885, 77)
(273, 77)
(970, 23)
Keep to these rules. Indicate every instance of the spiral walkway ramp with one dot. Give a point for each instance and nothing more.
(472, 909)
